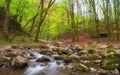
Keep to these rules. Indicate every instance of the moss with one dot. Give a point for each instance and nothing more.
(46, 52)
(84, 57)
(58, 57)
(91, 51)
(43, 59)
(11, 55)
(63, 51)
(111, 66)
(3, 58)
(87, 63)
(78, 48)
(94, 57)
(81, 53)
(82, 67)
(110, 50)
(71, 59)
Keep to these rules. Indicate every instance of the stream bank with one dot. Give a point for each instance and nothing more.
(89, 59)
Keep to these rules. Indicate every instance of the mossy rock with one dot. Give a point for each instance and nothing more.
(110, 55)
(103, 56)
(78, 48)
(11, 55)
(59, 57)
(88, 63)
(81, 53)
(71, 59)
(3, 58)
(43, 59)
(46, 52)
(94, 57)
(19, 62)
(84, 57)
(63, 51)
(91, 51)
(109, 66)
(111, 50)
(82, 67)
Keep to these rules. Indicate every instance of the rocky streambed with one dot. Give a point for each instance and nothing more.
(89, 59)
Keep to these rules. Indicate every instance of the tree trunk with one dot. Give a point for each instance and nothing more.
(7, 18)
(43, 13)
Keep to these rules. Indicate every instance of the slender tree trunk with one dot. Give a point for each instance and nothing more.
(116, 11)
(72, 21)
(41, 19)
(7, 18)
(107, 19)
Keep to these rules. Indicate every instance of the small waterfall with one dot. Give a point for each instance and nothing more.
(36, 68)
(37, 55)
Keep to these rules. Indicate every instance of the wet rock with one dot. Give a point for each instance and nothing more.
(19, 62)
(4, 62)
(59, 57)
(82, 67)
(43, 59)
(74, 73)
(63, 51)
(46, 52)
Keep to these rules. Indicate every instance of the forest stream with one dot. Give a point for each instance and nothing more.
(75, 60)
(35, 68)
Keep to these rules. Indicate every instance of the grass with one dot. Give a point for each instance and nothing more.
(15, 42)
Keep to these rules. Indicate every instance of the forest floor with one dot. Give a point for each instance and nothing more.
(83, 39)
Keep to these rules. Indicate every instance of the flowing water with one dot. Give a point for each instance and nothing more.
(35, 68)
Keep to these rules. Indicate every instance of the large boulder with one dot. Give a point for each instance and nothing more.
(19, 62)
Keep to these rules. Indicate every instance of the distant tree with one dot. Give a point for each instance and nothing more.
(117, 12)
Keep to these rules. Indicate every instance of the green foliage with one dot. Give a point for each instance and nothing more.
(2, 3)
